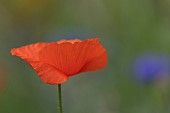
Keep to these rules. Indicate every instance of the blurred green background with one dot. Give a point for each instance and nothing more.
(127, 28)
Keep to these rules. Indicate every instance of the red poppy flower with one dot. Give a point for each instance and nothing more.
(55, 62)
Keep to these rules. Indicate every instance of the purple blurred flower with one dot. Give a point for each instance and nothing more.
(150, 67)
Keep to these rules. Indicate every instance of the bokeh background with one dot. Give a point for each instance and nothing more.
(136, 34)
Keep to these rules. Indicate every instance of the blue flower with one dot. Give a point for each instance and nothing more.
(150, 67)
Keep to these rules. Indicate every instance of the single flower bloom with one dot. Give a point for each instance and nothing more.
(150, 67)
(55, 62)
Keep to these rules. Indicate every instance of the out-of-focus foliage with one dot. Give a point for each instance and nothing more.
(127, 28)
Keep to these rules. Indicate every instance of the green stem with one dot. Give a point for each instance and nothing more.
(60, 98)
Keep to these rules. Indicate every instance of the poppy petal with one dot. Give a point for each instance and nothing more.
(29, 52)
(62, 56)
(71, 41)
(95, 64)
(73, 58)
(96, 57)
(48, 73)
